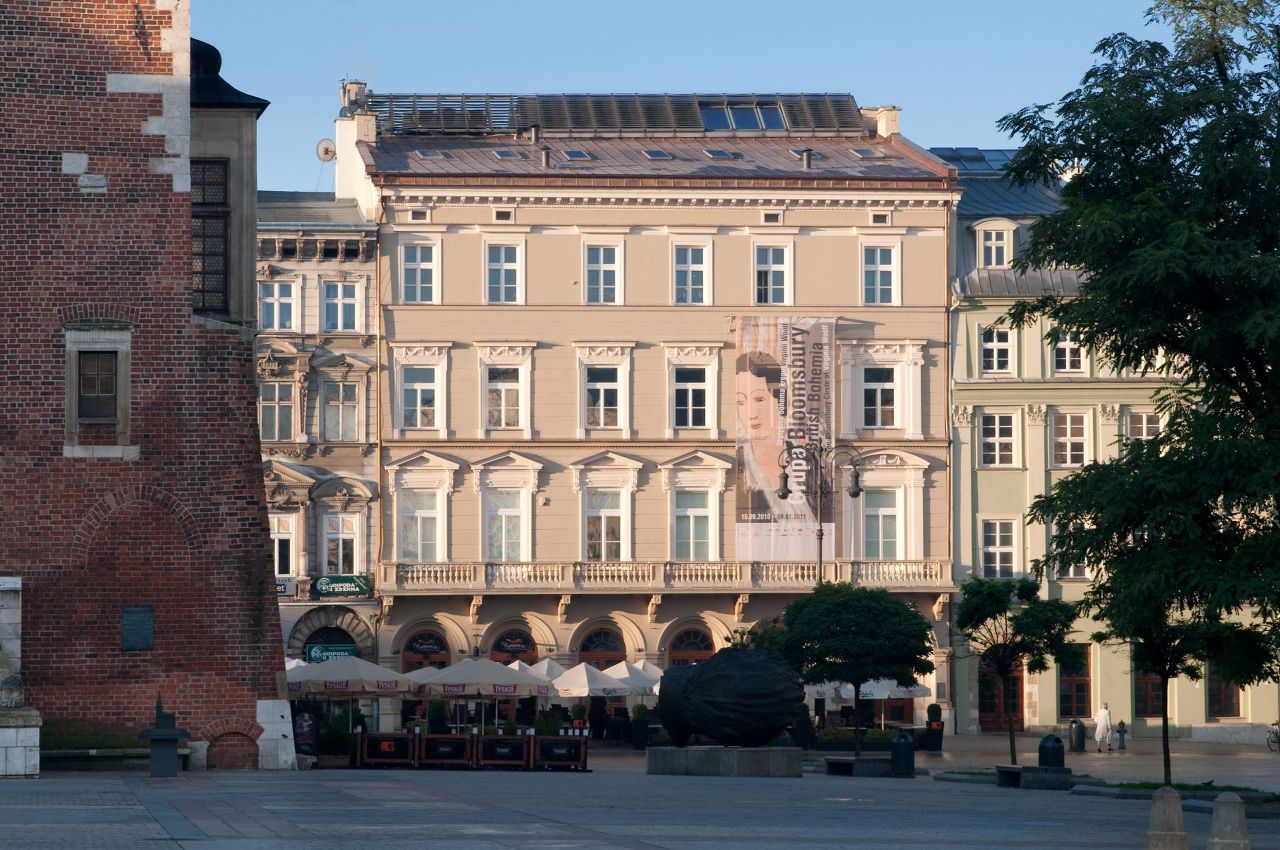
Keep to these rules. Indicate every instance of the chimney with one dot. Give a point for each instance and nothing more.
(888, 119)
(353, 92)
(535, 134)
(546, 156)
(806, 158)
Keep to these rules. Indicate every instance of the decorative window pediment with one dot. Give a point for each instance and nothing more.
(695, 469)
(342, 367)
(287, 487)
(343, 494)
(506, 471)
(423, 470)
(606, 471)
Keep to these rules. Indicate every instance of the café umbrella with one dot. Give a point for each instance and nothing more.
(348, 676)
(479, 678)
(631, 675)
(547, 669)
(587, 681)
(521, 667)
(883, 689)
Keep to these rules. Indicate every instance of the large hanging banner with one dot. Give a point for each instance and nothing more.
(784, 396)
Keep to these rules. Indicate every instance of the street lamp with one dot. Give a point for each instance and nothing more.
(819, 456)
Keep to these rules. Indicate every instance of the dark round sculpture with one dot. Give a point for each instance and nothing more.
(739, 697)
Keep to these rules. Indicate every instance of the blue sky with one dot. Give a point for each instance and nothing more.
(954, 68)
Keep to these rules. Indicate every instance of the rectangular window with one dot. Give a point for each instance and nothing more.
(995, 350)
(419, 522)
(282, 543)
(97, 386)
(880, 525)
(995, 249)
(1068, 439)
(771, 275)
(502, 525)
(1224, 695)
(604, 525)
(340, 544)
(418, 396)
(877, 275)
(275, 411)
(877, 397)
(691, 274)
(1068, 356)
(210, 211)
(602, 396)
(997, 439)
(275, 306)
(1143, 426)
(502, 274)
(418, 274)
(997, 548)
(1148, 695)
(693, 525)
(339, 306)
(691, 397)
(340, 411)
(502, 395)
(603, 274)
(1073, 690)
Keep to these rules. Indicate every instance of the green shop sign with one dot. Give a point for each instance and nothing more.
(342, 586)
(328, 651)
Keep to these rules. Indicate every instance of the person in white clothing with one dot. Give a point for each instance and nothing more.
(1102, 730)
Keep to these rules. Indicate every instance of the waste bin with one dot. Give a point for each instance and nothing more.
(1051, 753)
(1075, 736)
(902, 754)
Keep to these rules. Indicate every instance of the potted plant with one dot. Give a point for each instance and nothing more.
(931, 739)
(547, 723)
(579, 714)
(335, 744)
(639, 726)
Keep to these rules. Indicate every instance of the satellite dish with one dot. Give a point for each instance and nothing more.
(326, 150)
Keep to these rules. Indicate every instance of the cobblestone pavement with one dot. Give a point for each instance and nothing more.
(615, 806)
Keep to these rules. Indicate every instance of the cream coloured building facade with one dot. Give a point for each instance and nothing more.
(1025, 414)
(560, 291)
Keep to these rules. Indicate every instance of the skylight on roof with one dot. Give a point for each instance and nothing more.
(430, 153)
(867, 153)
(507, 153)
(741, 116)
(578, 156)
(717, 153)
(656, 153)
(798, 153)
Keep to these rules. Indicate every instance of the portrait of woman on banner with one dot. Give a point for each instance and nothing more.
(761, 441)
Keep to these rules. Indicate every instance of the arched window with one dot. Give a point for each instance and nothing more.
(425, 649)
(691, 646)
(514, 645)
(602, 648)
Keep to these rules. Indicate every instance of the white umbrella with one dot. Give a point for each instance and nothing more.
(587, 681)
(479, 677)
(825, 690)
(885, 689)
(521, 667)
(630, 674)
(290, 663)
(653, 671)
(348, 676)
(547, 669)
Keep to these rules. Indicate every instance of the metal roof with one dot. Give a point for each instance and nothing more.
(975, 159)
(308, 210)
(986, 190)
(1007, 283)
(747, 158)
(606, 114)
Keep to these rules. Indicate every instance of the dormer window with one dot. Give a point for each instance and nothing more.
(995, 248)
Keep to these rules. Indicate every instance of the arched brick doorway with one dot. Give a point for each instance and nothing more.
(690, 646)
(426, 648)
(232, 751)
(602, 648)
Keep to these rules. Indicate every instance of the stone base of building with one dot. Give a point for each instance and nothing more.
(723, 761)
(275, 746)
(1227, 733)
(19, 743)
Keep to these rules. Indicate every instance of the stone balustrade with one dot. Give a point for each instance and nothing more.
(659, 576)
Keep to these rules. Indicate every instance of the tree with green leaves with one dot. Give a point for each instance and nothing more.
(1172, 214)
(841, 633)
(1009, 627)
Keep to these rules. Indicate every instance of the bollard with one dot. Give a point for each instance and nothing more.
(164, 736)
(1228, 830)
(1166, 832)
(902, 754)
(1121, 731)
(1050, 753)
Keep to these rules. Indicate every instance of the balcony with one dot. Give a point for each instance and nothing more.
(658, 576)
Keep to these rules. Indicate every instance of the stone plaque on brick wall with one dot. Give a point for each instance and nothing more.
(138, 628)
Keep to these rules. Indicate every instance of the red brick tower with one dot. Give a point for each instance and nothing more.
(129, 456)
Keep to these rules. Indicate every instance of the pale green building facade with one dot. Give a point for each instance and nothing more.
(1024, 414)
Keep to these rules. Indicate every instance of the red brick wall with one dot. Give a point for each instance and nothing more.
(184, 528)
